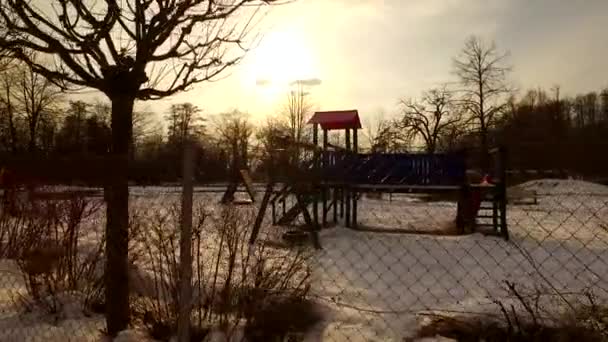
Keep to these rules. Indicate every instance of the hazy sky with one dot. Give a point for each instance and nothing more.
(369, 53)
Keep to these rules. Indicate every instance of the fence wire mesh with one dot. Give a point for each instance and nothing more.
(394, 279)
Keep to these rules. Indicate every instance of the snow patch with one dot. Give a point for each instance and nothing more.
(133, 335)
(549, 186)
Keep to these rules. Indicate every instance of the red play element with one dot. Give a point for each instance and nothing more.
(487, 179)
(339, 119)
(478, 193)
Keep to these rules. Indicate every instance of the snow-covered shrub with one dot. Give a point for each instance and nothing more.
(19, 231)
(235, 284)
(49, 251)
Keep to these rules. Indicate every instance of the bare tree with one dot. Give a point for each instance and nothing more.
(384, 135)
(431, 118)
(37, 97)
(268, 138)
(234, 132)
(482, 70)
(604, 105)
(375, 130)
(27, 96)
(145, 123)
(75, 125)
(128, 50)
(298, 109)
(9, 117)
(268, 134)
(184, 121)
(391, 139)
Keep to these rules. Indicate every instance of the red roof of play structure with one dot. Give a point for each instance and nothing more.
(338, 119)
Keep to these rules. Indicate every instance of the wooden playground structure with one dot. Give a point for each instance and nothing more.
(324, 184)
(328, 185)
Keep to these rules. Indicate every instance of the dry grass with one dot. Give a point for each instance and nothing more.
(524, 320)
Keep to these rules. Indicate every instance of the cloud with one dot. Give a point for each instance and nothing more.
(311, 82)
(262, 82)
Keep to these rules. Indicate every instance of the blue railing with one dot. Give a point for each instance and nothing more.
(398, 168)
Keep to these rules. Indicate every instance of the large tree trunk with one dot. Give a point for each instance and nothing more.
(117, 218)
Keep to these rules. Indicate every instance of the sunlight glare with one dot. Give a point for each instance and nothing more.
(281, 58)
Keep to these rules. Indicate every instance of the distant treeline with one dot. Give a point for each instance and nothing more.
(567, 136)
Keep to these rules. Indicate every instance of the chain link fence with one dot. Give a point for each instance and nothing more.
(391, 283)
(404, 275)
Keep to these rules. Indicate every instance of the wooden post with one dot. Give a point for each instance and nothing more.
(462, 209)
(355, 148)
(185, 253)
(335, 200)
(262, 211)
(315, 202)
(342, 201)
(325, 168)
(495, 212)
(347, 188)
(355, 141)
(502, 188)
(265, 200)
(354, 218)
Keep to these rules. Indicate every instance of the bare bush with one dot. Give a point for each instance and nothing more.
(46, 243)
(523, 317)
(236, 285)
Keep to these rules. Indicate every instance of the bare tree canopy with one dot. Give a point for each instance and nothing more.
(27, 97)
(482, 71)
(234, 131)
(185, 122)
(297, 111)
(430, 118)
(384, 136)
(168, 44)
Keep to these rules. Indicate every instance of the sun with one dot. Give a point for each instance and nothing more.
(281, 58)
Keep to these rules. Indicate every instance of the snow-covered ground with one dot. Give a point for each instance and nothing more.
(371, 285)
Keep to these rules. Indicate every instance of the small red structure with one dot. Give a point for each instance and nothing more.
(339, 119)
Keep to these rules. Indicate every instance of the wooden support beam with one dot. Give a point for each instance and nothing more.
(502, 188)
(324, 168)
(355, 199)
(335, 200)
(325, 146)
(313, 227)
(342, 202)
(348, 200)
(265, 200)
(316, 169)
(355, 149)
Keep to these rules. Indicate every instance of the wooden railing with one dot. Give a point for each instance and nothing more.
(407, 169)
